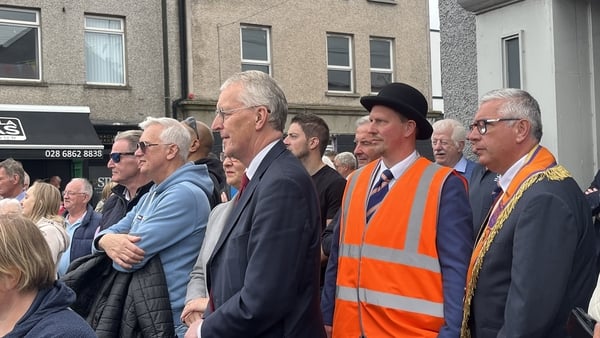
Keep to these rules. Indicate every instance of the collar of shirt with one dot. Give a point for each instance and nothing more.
(461, 165)
(77, 222)
(397, 169)
(504, 180)
(258, 159)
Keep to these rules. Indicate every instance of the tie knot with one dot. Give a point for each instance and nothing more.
(387, 175)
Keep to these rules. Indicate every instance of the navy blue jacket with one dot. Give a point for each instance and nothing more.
(50, 316)
(81, 243)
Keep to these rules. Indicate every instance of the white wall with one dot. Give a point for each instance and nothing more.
(556, 71)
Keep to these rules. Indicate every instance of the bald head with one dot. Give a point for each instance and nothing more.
(202, 139)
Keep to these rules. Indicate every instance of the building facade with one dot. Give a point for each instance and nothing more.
(117, 62)
(324, 54)
(105, 58)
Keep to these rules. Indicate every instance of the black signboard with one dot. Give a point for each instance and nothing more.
(47, 132)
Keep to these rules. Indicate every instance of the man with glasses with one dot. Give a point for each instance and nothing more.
(535, 258)
(263, 275)
(169, 220)
(125, 170)
(200, 153)
(81, 221)
(448, 141)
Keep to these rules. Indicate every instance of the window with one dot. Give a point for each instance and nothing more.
(104, 51)
(381, 63)
(511, 49)
(255, 49)
(340, 77)
(19, 44)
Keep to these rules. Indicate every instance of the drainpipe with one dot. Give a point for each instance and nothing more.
(182, 58)
(165, 36)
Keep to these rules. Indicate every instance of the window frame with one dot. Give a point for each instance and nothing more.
(256, 62)
(36, 25)
(121, 32)
(349, 68)
(506, 79)
(390, 70)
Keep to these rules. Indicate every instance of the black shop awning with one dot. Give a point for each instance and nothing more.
(47, 132)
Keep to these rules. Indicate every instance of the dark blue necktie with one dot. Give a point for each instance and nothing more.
(378, 193)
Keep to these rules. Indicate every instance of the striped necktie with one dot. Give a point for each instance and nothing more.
(378, 193)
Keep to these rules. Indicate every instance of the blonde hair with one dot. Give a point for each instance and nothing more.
(107, 190)
(47, 202)
(24, 254)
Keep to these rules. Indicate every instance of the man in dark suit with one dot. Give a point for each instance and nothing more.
(263, 276)
(535, 258)
(481, 194)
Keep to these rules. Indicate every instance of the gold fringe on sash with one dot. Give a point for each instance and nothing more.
(556, 173)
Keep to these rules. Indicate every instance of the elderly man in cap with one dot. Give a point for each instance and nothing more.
(406, 233)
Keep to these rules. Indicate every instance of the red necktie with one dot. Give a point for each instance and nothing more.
(245, 181)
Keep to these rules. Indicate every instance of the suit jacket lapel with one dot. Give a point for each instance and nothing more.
(241, 204)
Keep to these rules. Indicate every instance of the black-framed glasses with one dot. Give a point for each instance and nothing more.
(482, 124)
(224, 114)
(116, 157)
(191, 122)
(143, 146)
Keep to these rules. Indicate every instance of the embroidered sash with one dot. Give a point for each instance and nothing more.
(540, 165)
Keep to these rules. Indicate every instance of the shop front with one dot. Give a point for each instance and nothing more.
(49, 140)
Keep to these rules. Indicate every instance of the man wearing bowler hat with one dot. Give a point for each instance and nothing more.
(406, 232)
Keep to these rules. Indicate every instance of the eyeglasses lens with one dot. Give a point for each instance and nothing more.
(115, 157)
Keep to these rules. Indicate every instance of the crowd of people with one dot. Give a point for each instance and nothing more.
(281, 238)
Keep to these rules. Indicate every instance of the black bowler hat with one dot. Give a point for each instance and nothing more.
(406, 101)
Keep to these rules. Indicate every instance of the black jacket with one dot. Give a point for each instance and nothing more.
(119, 304)
(116, 206)
(217, 175)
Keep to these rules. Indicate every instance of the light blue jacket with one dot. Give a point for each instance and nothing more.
(171, 220)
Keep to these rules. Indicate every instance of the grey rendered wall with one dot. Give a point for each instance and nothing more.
(459, 61)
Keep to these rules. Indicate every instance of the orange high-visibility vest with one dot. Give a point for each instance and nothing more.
(389, 282)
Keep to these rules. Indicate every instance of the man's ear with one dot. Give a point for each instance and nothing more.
(313, 143)
(523, 130)
(261, 118)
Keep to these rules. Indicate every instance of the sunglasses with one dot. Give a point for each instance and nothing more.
(191, 122)
(116, 157)
(143, 146)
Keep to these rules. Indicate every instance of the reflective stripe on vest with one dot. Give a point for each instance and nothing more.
(390, 255)
(390, 301)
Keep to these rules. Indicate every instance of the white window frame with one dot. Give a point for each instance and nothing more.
(505, 61)
(382, 70)
(120, 32)
(251, 62)
(349, 68)
(35, 25)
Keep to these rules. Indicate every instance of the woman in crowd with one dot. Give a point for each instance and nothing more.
(41, 205)
(32, 302)
(196, 298)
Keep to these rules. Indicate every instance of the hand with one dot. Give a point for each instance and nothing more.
(224, 197)
(121, 249)
(329, 328)
(192, 331)
(590, 190)
(194, 310)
